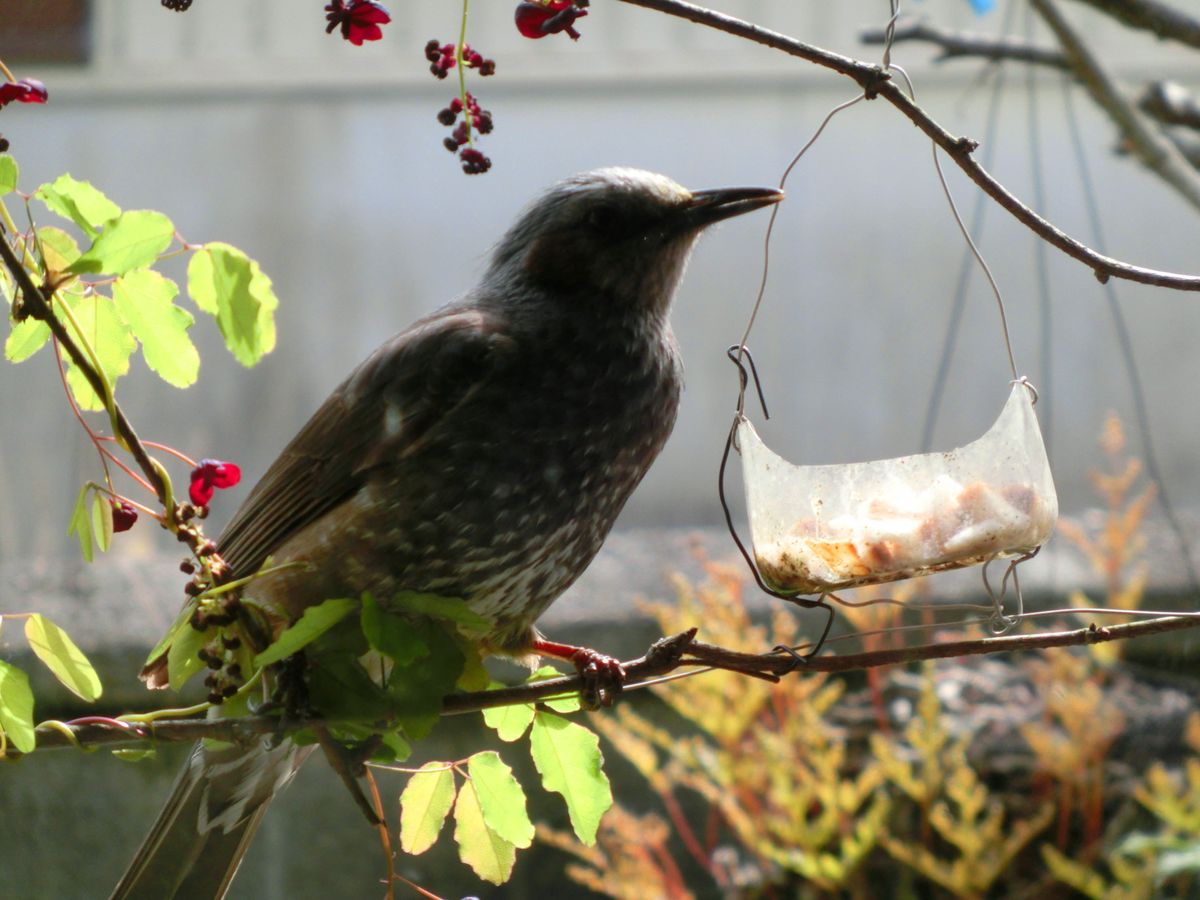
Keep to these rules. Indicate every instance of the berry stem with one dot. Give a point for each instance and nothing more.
(462, 75)
(7, 72)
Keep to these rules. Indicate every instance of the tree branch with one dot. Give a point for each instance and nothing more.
(876, 83)
(664, 656)
(1158, 153)
(961, 44)
(1149, 15)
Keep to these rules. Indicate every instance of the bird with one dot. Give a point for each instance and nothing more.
(483, 453)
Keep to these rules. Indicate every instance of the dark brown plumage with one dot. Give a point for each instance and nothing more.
(485, 452)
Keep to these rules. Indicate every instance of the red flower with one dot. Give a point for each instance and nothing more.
(210, 474)
(536, 20)
(359, 20)
(27, 90)
(123, 515)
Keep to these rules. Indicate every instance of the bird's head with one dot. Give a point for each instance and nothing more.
(616, 236)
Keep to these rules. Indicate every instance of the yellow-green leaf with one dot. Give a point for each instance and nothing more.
(315, 622)
(25, 339)
(392, 635)
(16, 707)
(55, 648)
(448, 609)
(500, 798)
(58, 248)
(145, 300)
(78, 201)
(80, 524)
(568, 757)
(8, 174)
(227, 284)
(183, 660)
(131, 240)
(489, 855)
(102, 521)
(424, 805)
(110, 338)
(509, 722)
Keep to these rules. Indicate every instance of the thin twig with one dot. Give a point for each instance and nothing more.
(1150, 15)
(877, 84)
(961, 44)
(1154, 149)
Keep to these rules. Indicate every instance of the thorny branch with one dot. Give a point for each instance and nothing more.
(876, 83)
(664, 656)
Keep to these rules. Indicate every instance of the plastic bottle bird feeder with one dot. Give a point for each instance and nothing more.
(817, 529)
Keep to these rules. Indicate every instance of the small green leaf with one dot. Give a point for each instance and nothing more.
(102, 521)
(568, 757)
(78, 201)
(130, 754)
(448, 609)
(183, 660)
(80, 524)
(8, 174)
(55, 648)
(416, 690)
(58, 248)
(16, 707)
(500, 798)
(569, 704)
(227, 284)
(26, 339)
(110, 339)
(509, 722)
(489, 855)
(399, 748)
(183, 620)
(144, 298)
(424, 805)
(310, 626)
(393, 636)
(130, 241)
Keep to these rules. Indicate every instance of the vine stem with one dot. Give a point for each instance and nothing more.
(875, 82)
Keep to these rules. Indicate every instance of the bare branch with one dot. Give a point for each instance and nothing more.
(1157, 152)
(961, 44)
(1171, 103)
(1149, 15)
(664, 656)
(876, 83)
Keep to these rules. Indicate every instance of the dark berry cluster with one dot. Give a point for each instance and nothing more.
(225, 673)
(475, 119)
(444, 57)
(178, 5)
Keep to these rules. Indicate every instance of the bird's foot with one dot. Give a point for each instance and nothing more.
(603, 675)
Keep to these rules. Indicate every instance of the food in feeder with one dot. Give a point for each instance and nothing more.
(902, 533)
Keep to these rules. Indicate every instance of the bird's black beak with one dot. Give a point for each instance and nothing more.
(706, 207)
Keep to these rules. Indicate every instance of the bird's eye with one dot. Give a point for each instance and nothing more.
(606, 221)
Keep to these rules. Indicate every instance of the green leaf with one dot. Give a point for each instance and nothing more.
(130, 241)
(489, 855)
(78, 201)
(183, 660)
(500, 798)
(109, 337)
(80, 524)
(509, 722)
(102, 521)
(310, 626)
(183, 620)
(144, 298)
(16, 707)
(58, 248)
(393, 636)
(26, 339)
(131, 754)
(8, 174)
(55, 648)
(416, 691)
(424, 805)
(568, 757)
(448, 609)
(227, 284)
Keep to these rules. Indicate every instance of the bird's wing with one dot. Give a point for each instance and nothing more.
(380, 413)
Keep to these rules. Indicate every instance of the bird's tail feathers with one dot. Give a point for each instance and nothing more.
(198, 841)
